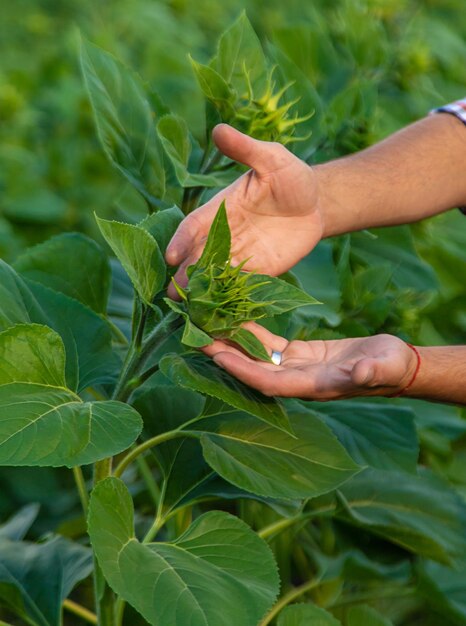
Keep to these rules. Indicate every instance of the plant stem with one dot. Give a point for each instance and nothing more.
(81, 487)
(81, 611)
(288, 598)
(150, 443)
(117, 332)
(138, 357)
(104, 597)
(277, 527)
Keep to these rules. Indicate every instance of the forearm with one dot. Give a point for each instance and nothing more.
(418, 172)
(441, 376)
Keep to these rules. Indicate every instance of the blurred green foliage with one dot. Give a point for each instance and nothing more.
(365, 67)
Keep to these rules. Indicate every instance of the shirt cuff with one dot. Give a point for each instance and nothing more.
(457, 108)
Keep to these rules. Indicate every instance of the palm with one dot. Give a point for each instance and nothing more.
(321, 370)
(272, 210)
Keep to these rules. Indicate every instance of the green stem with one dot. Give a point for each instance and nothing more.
(275, 528)
(81, 487)
(117, 332)
(80, 611)
(150, 443)
(289, 597)
(141, 326)
(137, 358)
(104, 597)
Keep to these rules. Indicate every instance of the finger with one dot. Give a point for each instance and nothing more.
(191, 233)
(266, 378)
(261, 156)
(220, 346)
(268, 339)
(386, 371)
(246, 370)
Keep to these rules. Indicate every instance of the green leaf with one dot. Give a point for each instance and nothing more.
(36, 578)
(420, 513)
(200, 373)
(41, 425)
(380, 435)
(162, 225)
(396, 246)
(269, 462)
(19, 524)
(250, 343)
(139, 254)
(17, 304)
(444, 589)
(70, 263)
(32, 353)
(124, 120)
(305, 615)
(194, 336)
(174, 135)
(280, 295)
(240, 53)
(164, 408)
(364, 615)
(218, 571)
(217, 247)
(86, 336)
(215, 89)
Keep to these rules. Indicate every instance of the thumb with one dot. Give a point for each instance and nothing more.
(261, 156)
(382, 371)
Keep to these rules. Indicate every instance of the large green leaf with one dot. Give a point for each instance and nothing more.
(305, 615)
(216, 90)
(124, 120)
(18, 525)
(139, 254)
(162, 225)
(444, 589)
(364, 615)
(164, 408)
(41, 425)
(72, 264)
(17, 304)
(32, 353)
(217, 248)
(174, 134)
(199, 373)
(86, 336)
(36, 578)
(240, 59)
(396, 246)
(269, 462)
(218, 572)
(420, 513)
(380, 435)
(280, 295)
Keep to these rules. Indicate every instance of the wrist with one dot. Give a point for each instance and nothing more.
(413, 367)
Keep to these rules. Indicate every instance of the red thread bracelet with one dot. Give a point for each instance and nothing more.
(413, 378)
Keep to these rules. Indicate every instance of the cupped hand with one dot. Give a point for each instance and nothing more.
(273, 210)
(381, 365)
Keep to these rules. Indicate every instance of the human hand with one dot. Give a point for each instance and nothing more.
(381, 365)
(273, 209)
